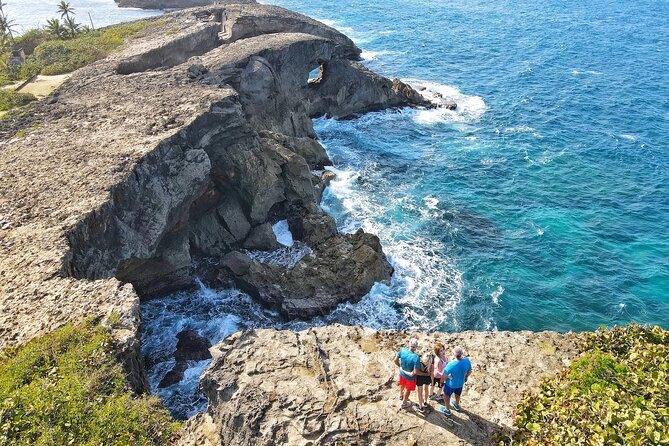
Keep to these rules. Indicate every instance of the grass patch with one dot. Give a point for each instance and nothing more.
(67, 388)
(617, 393)
(50, 55)
(10, 99)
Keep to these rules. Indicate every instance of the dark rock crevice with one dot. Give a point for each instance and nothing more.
(217, 184)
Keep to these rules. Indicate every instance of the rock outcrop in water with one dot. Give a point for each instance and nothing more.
(187, 143)
(338, 385)
(190, 347)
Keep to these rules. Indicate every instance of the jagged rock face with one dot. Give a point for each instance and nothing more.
(338, 385)
(187, 142)
(339, 269)
(210, 187)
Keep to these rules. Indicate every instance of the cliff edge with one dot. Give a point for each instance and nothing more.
(338, 385)
(186, 145)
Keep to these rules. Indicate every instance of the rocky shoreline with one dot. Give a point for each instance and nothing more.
(338, 385)
(186, 144)
(189, 144)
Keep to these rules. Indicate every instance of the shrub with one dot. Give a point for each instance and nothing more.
(617, 393)
(31, 39)
(68, 388)
(10, 99)
(50, 55)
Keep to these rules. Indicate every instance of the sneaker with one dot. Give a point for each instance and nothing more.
(425, 405)
(455, 406)
(420, 409)
(444, 410)
(440, 398)
(405, 405)
(433, 397)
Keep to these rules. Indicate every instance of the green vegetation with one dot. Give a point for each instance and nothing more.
(68, 388)
(10, 99)
(48, 54)
(617, 393)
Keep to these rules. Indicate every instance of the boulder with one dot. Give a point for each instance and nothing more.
(190, 347)
(341, 268)
(262, 238)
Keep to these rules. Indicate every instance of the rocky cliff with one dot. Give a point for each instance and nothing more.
(338, 385)
(188, 144)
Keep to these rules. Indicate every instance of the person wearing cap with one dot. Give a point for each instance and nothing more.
(456, 372)
(409, 364)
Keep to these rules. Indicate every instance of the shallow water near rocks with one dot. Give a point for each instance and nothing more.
(540, 203)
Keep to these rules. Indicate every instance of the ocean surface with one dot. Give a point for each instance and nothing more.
(28, 14)
(540, 203)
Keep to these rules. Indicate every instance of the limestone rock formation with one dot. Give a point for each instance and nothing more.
(186, 143)
(339, 269)
(338, 385)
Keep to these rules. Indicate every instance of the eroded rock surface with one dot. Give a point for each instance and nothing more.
(338, 385)
(187, 142)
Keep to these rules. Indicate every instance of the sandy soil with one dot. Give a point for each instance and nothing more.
(43, 85)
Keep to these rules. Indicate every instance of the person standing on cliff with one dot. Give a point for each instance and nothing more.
(438, 366)
(456, 373)
(409, 363)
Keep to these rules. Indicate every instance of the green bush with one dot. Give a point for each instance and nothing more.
(617, 393)
(31, 39)
(50, 55)
(10, 99)
(68, 388)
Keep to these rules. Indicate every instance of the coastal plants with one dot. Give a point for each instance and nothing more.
(10, 99)
(616, 393)
(68, 388)
(53, 50)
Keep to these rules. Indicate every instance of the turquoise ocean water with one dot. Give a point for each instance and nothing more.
(541, 203)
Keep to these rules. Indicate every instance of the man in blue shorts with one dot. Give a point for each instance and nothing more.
(409, 363)
(456, 373)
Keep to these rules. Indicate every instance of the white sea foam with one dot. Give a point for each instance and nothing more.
(469, 108)
(519, 129)
(288, 256)
(629, 137)
(282, 233)
(576, 72)
(426, 285)
(373, 55)
(496, 294)
(354, 35)
(431, 202)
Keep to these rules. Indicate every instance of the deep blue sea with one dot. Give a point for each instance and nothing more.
(540, 203)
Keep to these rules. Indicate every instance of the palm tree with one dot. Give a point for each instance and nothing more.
(73, 27)
(65, 9)
(54, 27)
(67, 13)
(6, 27)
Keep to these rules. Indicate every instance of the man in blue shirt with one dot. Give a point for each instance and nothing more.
(409, 363)
(456, 373)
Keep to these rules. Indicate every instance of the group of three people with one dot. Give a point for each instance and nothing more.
(429, 371)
